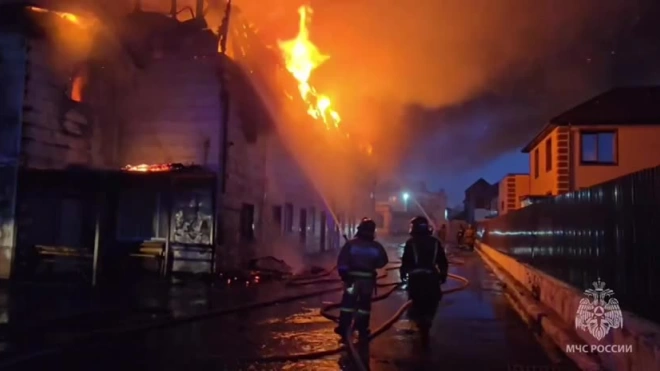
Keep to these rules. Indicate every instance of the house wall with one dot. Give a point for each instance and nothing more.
(567, 173)
(478, 193)
(638, 147)
(512, 189)
(59, 118)
(546, 182)
(176, 116)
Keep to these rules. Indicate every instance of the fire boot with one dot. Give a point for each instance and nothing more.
(362, 319)
(346, 312)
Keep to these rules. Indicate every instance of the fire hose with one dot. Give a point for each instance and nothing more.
(350, 346)
(105, 335)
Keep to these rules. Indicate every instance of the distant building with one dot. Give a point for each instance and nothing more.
(478, 200)
(494, 208)
(613, 134)
(512, 190)
(396, 204)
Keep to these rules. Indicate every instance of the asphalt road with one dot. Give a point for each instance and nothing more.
(475, 329)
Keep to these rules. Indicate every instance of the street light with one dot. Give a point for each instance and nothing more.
(406, 196)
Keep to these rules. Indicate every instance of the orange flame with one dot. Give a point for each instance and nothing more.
(301, 57)
(144, 168)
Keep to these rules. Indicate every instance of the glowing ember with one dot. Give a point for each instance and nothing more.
(66, 16)
(144, 168)
(301, 57)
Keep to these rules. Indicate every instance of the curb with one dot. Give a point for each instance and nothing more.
(543, 316)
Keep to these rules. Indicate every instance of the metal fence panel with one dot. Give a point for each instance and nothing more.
(607, 231)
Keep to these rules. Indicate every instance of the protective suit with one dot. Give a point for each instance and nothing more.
(424, 265)
(357, 263)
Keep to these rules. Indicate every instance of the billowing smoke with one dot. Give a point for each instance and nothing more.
(452, 84)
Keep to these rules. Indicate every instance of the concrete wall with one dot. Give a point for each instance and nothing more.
(555, 303)
(637, 148)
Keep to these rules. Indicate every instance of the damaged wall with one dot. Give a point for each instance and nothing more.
(12, 78)
(173, 114)
(65, 92)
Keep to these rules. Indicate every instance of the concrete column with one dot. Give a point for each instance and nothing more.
(12, 87)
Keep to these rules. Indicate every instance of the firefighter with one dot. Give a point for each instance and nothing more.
(459, 235)
(357, 263)
(468, 238)
(424, 266)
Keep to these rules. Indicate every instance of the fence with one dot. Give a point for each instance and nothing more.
(608, 231)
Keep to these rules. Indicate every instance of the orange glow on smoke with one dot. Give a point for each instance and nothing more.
(301, 57)
(66, 16)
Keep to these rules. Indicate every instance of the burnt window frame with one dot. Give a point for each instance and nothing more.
(597, 162)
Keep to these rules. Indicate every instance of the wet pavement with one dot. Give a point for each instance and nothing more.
(475, 329)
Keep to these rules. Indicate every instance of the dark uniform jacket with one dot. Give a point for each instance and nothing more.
(359, 258)
(424, 254)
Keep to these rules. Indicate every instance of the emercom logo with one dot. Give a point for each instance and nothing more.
(598, 316)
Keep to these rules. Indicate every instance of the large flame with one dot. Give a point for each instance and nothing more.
(302, 57)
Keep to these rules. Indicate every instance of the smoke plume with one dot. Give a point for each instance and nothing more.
(452, 84)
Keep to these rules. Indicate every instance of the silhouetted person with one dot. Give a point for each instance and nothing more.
(469, 237)
(424, 265)
(442, 233)
(357, 263)
(459, 235)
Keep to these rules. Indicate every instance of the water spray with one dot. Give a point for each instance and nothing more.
(425, 214)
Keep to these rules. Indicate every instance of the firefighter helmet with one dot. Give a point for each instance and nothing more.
(366, 229)
(420, 226)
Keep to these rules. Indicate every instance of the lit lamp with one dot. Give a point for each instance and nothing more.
(406, 196)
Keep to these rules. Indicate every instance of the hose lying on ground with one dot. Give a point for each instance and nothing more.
(350, 346)
(110, 334)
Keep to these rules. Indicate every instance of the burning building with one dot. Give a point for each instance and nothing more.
(130, 97)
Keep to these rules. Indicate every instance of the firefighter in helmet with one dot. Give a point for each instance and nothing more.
(357, 263)
(424, 266)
